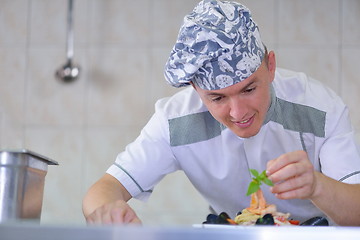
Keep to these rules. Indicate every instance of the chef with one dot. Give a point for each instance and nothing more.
(237, 111)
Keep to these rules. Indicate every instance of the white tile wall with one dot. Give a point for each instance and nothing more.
(63, 185)
(48, 101)
(166, 18)
(350, 22)
(121, 46)
(351, 84)
(309, 22)
(112, 73)
(112, 18)
(46, 23)
(319, 63)
(13, 23)
(265, 15)
(12, 89)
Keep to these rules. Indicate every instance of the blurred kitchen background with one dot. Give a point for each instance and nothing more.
(121, 46)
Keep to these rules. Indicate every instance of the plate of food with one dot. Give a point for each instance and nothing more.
(259, 212)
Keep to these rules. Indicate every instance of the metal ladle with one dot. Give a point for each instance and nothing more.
(69, 72)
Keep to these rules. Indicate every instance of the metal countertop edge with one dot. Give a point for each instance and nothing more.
(55, 232)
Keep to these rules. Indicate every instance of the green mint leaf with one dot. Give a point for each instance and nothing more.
(256, 181)
(262, 175)
(253, 187)
(254, 172)
(268, 182)
(265, 179)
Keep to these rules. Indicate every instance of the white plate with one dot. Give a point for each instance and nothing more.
(223, 226)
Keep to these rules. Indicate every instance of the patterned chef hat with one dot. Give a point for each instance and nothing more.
(218, 45)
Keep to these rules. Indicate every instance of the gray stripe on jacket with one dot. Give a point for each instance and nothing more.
(202, 126)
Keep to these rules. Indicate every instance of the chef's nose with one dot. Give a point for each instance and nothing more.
(237, 108)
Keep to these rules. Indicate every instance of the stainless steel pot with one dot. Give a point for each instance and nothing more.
(22, 178)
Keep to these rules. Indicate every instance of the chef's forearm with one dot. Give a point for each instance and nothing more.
(106, 190)
(340, 201)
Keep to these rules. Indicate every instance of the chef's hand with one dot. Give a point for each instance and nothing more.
(118, 212)
(293, 176)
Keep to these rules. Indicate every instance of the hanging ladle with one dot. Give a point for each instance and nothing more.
(69, 72)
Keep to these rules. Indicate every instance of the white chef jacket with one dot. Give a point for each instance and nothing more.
(182, 135)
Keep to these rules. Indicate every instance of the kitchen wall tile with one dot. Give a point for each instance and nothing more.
(81, 19)
(13, 23)
(48, 22)
(11, 133)
(158, 86)
(49, 101)
(12, 88)
(101, 147)
(117, 88)
(264, 14)
(320, 63)
(12, 82)
(357, 136)
(350, 22)
(62, 193)
(123, 23)
(2, 114)
(351, 82)
(309, 22)
(167, 17)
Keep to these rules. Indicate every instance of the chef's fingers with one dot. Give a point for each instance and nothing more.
(301, 186)
(285, 159)
(89, 220)
(288, 185)
(304, 192)
(112, 213)
(124, 214)
(269, 166)
(292, 171)
(294, 194)
(95, 218)
(132, 218)
(106, 216)
(117, 215)
(136, 221)
(283, 162)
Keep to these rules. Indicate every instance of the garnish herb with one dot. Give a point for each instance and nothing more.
(257, 180)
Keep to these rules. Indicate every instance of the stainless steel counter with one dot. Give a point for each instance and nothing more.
(39, 232)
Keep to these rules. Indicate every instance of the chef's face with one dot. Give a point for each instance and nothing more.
(242, 107)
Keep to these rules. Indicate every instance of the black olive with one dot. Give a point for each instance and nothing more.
(239, 213)
(267, 219)
(211, 219)
(316, 221)
(223, 218)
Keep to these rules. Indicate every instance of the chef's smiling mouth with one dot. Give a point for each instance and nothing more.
(244, 123)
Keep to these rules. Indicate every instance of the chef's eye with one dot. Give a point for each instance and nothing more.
(216, 99)
(249, 90)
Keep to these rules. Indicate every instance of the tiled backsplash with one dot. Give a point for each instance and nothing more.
(121, 46)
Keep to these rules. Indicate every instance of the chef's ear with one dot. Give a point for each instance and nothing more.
(271, 64)
(271, 61)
